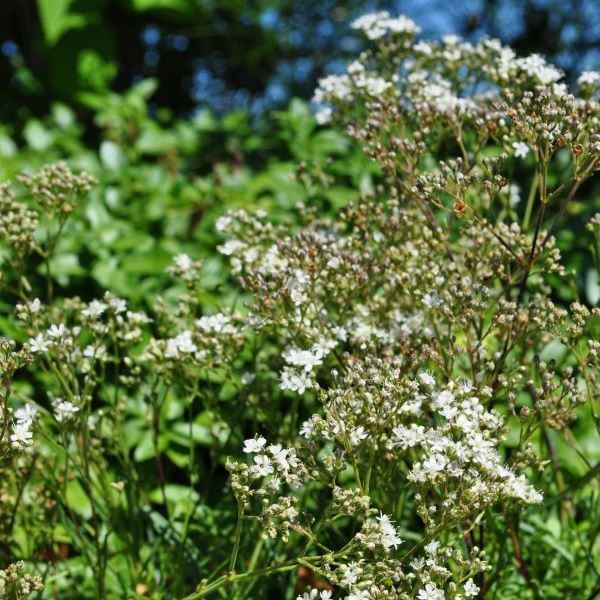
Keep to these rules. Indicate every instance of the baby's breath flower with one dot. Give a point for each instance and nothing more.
(521, 149)
(255, 444)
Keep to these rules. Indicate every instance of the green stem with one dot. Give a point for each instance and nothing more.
(238, 537)
(529, 208)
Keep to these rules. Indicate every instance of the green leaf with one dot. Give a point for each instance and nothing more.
(154, 140)
(184, 6)
(78, 500)
(145, 449)
(147, 262)
(180, 434)
(95, 71)
(145, 88)
(56, 18)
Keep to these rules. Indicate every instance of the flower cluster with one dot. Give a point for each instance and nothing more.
(387, 395)
(416, 317)
(16, 584)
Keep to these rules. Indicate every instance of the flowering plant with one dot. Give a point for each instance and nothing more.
(390, 396)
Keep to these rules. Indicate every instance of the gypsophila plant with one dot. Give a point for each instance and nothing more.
(390, 391)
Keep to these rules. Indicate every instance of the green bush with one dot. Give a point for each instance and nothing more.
(281, 358)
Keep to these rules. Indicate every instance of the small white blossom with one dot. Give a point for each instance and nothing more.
(262, 465)
(183, 262)
(57, 332)
(389, 535)
(35, 306)
(38, 344)
(295, 381)
(64, 410)
(430, 592)
(181, 344)
(470, 589)
(521, 149)
(254, 445)
(94, 309)
(303, 358)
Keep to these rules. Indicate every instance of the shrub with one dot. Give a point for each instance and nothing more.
(404, 406)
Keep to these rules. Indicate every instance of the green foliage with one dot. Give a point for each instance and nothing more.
(162, 182)
(154, 515)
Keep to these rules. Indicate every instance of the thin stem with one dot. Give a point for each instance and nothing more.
(238, 537)
(529, 208)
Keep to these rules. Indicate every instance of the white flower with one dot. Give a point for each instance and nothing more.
(297, 284)
(295, 381)
(451, 39)
(519, 487)
(92, 351)
(408, 437)
(262, 465)
(222, 223)
(303, 358)
(357, 435)
(94, 309)
(589, 78)
(423, 47)
(470, 589)
(56, 332)
(350, 573)
(430, 592)
(358, 595)
(254, 445)
(217, 323)
(64, 410)
(389, 535)
(323, 115)
(402, 24)
(427, 379)
(230, 247)
(26, 414)
(183, 262)
(313, 594)
(35, 306)
(372, 24)
(138, 318)
(333, 87)
(432, 548)
(521, 149)
(247, 378)
(279, 455)
(431, 300)
(376, 25)
(181, 344)
(340, 333)
(535, 66)
(38, 344)
(117, 305)
(21, 434)
(308, 428)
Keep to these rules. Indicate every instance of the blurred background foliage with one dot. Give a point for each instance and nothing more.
(229, 54)
(186, 108)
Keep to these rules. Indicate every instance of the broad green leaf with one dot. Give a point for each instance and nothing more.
(56, 18)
